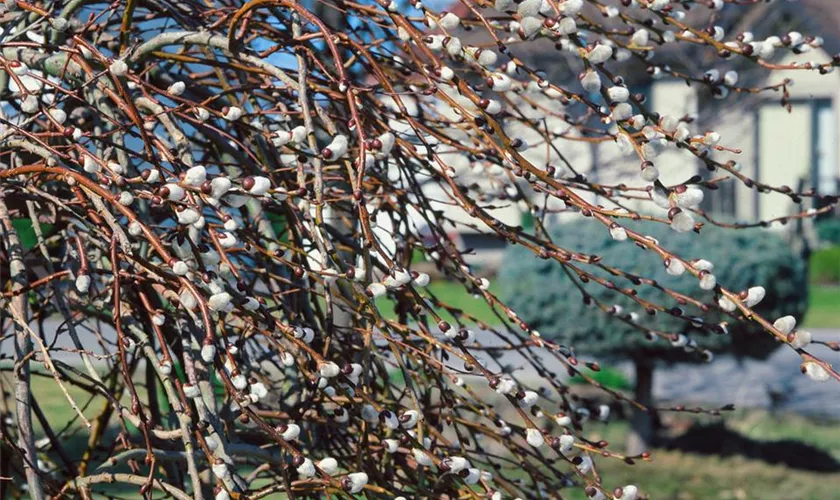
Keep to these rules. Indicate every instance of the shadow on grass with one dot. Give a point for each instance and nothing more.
(716, 439)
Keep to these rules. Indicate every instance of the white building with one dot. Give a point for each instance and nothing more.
(796, 147)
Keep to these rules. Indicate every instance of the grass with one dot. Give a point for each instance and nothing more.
(823, 304)
(611, 378)
(823, 307)
(453, 294)
(824, 266)
(753, 424)
(682, 476)
(669, 475)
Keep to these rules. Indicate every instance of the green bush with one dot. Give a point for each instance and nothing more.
(545, 297)
(828, 231)
(824, 266)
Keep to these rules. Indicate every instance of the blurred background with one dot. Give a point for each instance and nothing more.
(782, 440)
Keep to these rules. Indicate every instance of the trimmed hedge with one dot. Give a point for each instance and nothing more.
(545, 297)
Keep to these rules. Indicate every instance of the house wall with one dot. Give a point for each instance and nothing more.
(810, 85)
(737, 127)
(785, 140)
(774, 146)
(601, 162)
(667, 97)
(784, 145)
(675, 98)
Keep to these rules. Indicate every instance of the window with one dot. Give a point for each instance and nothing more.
(722, 200)
(824, 153)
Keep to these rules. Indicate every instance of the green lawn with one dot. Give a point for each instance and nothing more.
(683, 476)
(453, 294)
(823, 307)
(680, 475)
(669, 475)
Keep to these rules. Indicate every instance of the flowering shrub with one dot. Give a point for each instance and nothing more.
(229, 186)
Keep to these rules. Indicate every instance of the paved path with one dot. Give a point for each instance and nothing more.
(750, 383)
(745, 383)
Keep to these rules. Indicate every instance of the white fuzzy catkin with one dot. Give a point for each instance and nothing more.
(675, 267)
(195, 176)
(449, 21)
(90, 165)
(629, 492)
(219, 301)
(233, 113)
(329, 465)
(180, 268)
(83, 283)
(421, 457)
(599, 54)
(126, 198)
(59, 115)
(357, 481)
(708, 281)
(219, 186)
(618, 233)
(191, 391)
(376, 290)
(801, 339)
(650, 173)
(534, 437)
(456, 464)
(221, 470)
(754, 296)
(307, 468)
(590, 81)
(815, 371)
(422, 280)
(118, 67)
(176, 192)
(177, 88)
(618, 94)
(409, 419)
(329, 370)
(567, 443)
(682, 222)
(261, 186)
(291, 432)
(208, 352)
(473, 476)
(726, 304)
(337, 148)
(785, 324)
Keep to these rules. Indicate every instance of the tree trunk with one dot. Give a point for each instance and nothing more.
(23, 350)
(641, 424)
